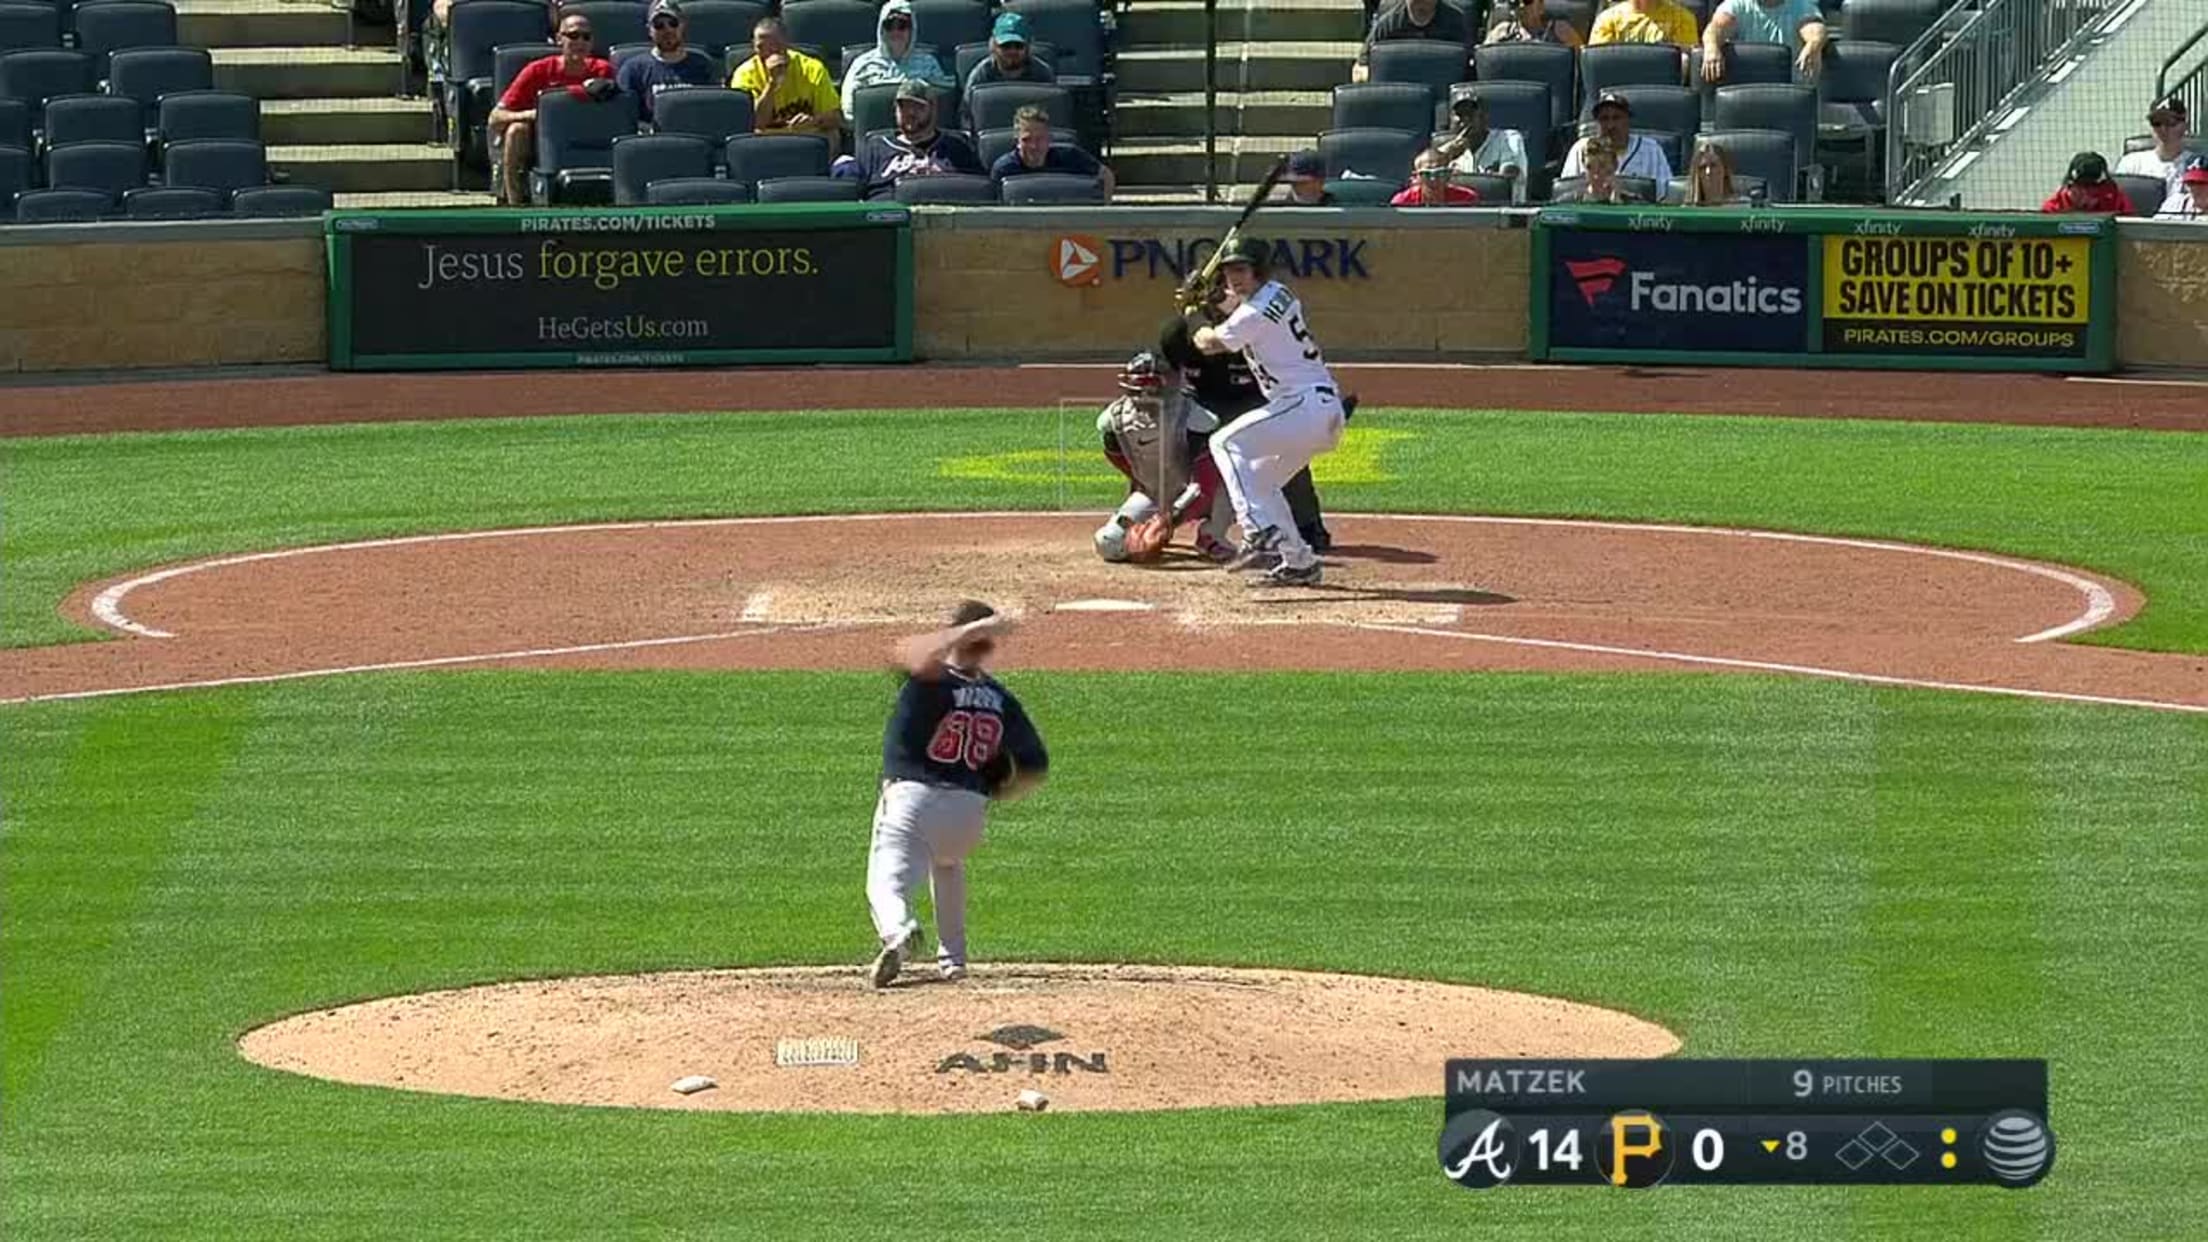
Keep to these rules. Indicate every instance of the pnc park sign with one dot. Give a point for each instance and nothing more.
(1079, 260)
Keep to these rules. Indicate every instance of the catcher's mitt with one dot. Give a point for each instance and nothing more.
(1146, 539)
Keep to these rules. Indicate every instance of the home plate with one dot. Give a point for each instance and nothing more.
(1104, 605)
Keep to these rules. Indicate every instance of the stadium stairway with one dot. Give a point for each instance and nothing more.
(1279, 61)
(329, 113)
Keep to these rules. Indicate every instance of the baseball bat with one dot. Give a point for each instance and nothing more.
(1202, 278)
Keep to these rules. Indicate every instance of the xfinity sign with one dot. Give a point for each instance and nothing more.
(1681, 291)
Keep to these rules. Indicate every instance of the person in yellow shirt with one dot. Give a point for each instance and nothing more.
(1644, 21)
(790, 91)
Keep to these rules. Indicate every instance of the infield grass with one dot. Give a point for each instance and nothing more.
(2130, 504)
(1769, 867)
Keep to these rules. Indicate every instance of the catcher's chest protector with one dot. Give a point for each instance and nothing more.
(1156, 447)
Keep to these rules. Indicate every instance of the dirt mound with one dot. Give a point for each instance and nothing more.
(1122, 1038)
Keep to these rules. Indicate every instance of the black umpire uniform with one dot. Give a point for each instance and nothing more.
(1222, 383)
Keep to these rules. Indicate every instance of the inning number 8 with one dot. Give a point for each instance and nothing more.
(971, 736)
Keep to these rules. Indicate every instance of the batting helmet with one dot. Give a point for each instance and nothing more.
(1251, 251)
(1145, 374)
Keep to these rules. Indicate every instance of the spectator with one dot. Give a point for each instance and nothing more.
(1710, 177)
(669, 63)
(1430, 185)
(1601, 170)
(791, 93)
(515, 118)
(2168, 158)
(1033, 152)
(1645, 21)
(1638, 156)
(1007, 61)
(917, 149)
(1307, 181)
(2088, 189)
(1798, 24)
(897, 55)
(1532, 24)
(1475, 148)
(1411, 19)
(2191, 200)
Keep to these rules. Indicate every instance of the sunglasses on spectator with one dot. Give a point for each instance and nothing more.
(574, 34)
(897, 23)
(666, 23)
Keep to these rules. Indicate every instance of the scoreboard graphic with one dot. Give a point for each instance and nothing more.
(1637, 1124)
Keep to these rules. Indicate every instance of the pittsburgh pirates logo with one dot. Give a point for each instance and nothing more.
(1634, 1150)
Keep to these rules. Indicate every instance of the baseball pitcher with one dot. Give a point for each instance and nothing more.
(1158, 437)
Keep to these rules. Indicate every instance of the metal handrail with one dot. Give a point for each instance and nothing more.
(1973, 77)
(2193, 87)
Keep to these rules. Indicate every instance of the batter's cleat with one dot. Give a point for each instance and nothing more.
(950, 972)
(1217, 551)
(1317, 536)
(892, 958)
(1256, 551)
(1286, 575)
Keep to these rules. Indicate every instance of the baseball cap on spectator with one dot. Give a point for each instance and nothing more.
(915, 88)
(1306, 164)
(1010, 28)
(2171, 109)
(669, 8)
(2196, 175)
(1613, 99)
(2088, 169)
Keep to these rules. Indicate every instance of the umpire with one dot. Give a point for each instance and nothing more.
(1222, 383)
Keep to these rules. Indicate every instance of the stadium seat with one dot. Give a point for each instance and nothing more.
(993, 144)
(40, 74)
(109, 167)
(2145, 194)
(1791, 109)
(1032, 189)
(574, 147)
(759, 157)
(1663, 109)
(1746, 64)
(475, 146)
(220, 164)
(208, 114)
(1616, 65)
(271, 201)
(951, 23)
(1898, 22)
(641, 159)
(1073, 30)
(993, 105)
(1637, 189)
(1578, 14)
(612, 23)
(1851, 107)
(1404, 106)
(715, 113)
(717, 25)
(874, 108)
(24, 27)
(1523, 106)
(809, 190)
(1362, 191)
(829, 25)
(15, 123)
(479, 28)
(93, 118)
(1491, 187)
(1769, 155)
(147, 73)
(1750, 188)
(1550, 64)
(948, 188)
(1433, 65)
(108, 26)
(695, 192)
(15, 174)
(171, 202)
(970, 54)
(1384, 154)
(62, 206)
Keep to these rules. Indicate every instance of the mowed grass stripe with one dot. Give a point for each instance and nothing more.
(2125, 503)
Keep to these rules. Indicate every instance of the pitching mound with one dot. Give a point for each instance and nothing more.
(1125, 1038)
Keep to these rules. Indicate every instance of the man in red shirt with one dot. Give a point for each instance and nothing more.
(2088, 188)
(515, 117)
(1430, 185)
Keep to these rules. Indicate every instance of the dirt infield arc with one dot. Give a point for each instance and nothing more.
(1403, 592)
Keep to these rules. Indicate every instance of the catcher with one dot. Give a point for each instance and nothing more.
(1158, 437)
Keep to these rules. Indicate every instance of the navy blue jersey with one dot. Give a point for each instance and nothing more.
(949, 730)
(646, 75)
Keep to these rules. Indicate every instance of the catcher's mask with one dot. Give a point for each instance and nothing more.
(1145, 375)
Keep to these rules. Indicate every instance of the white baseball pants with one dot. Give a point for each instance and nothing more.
(923, 832)
(1259, 452)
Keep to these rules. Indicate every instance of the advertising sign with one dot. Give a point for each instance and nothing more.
(1685, 292)
(2030, 296)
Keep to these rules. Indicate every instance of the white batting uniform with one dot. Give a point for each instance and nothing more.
(1302, 417)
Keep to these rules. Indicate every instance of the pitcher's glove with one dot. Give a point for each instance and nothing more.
(1146, 539)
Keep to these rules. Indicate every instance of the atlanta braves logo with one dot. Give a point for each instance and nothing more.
(1595, 276)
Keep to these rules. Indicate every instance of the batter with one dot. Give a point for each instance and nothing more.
(956, 740)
